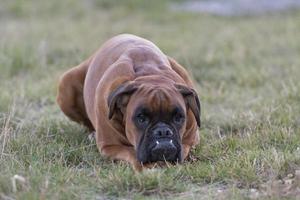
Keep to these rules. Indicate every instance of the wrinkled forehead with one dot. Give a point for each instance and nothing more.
(157, 99)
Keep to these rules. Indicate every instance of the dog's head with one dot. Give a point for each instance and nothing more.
(155, 115)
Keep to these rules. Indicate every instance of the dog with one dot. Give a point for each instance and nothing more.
(140, 102)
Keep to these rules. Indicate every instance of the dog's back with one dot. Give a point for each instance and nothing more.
(142, 54)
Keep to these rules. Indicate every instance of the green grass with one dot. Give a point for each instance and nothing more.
(247, 72)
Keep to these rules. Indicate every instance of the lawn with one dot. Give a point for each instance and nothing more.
(246, 69)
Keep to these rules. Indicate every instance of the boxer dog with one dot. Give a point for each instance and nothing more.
(141, 103)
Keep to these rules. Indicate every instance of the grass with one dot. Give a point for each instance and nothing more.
(247, 72)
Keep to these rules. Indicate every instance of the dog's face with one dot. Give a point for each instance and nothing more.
(155, 118)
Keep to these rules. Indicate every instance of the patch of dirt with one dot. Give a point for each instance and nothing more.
(286, 187)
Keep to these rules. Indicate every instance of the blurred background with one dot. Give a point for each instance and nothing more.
(237, 49)
(242, 54)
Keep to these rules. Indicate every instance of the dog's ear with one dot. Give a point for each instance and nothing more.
(191, 100)
(118, 99)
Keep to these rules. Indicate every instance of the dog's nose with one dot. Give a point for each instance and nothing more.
(162, 132)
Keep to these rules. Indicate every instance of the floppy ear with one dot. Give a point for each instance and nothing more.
(192, 100)
(119, 98)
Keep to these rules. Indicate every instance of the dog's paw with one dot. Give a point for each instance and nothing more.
(91, 136)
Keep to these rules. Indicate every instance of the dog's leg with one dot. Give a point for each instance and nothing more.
(190, 137)
(125, 153)
(70, 94)
(185, 150)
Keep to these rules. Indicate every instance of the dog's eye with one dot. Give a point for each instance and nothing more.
(178, 118)
(142, 119)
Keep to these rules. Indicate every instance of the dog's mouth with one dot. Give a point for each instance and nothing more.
(165, 149)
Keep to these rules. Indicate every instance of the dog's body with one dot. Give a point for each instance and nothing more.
(112, 90)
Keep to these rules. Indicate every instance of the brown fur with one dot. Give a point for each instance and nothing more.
(125, 59)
